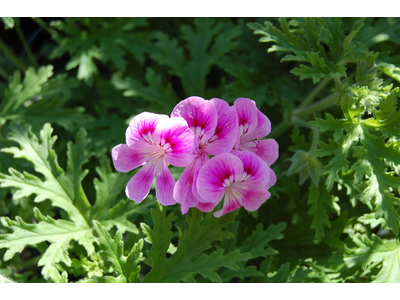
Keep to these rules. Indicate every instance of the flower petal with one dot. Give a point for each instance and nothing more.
(247, 116)
(225, 135)
(178, 141)
(267, 150)
(200, 161)
(207, 207)
(211, 181)
(263, 127)
(141, 128)
(272, 179)
(139, 186)
(251, 198)
(125, 159)
(184, 209)
(255, 170)
(200, 115)
(164, 184)
(183, 193)
(231, 203)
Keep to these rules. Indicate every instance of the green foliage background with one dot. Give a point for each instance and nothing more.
(69, 87)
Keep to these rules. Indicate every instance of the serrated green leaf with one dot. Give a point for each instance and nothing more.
(57, 232)
(44, 159)
(124, 266)
(257, 243)
(18, 92)
(54, 275)
(371, 252)
(321, 203)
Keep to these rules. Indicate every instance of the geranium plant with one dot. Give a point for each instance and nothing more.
(199, 150)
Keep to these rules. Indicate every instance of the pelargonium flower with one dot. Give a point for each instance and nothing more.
(153, 141)
(253, 126)
(243, 179)
(215, 125)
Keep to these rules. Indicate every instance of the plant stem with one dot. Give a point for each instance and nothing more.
(315, 141)
(25, 43)
(54, 34)
(280, 129)
(315, 92)
(300, 114)
(10, 54)
(316, 107)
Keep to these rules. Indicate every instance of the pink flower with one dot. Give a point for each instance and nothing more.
(253, 126)
(243, 179)
(215, 125)
(152, 141)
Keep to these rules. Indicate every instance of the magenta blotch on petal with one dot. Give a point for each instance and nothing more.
(200, 115)
(140, 130)
(177, 141)
(242, 180)
(217, 174)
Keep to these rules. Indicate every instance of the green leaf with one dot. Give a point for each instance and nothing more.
(57, 232)
(19, 92)
(189, 258)
(8, 22)
(156, 91)
(285, 274)
(44, 159)
(257, 243)
(321, 203)
(126, 267)
(369, 253)
(56, 277)
(306, 38)
(104, 39)
(205, 42)
(41, 99)
(258, 246)
(373, 142)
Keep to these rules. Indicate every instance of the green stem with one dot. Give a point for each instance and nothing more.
(280, 129)
(300, 114)
(12, 56)
(315, 139)
(316, 107)
(315, 92)
(54, 34)
(28, 49)
(314, 129)
(300, 122)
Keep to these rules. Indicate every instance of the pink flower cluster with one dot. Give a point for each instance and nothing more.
(238, 171)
